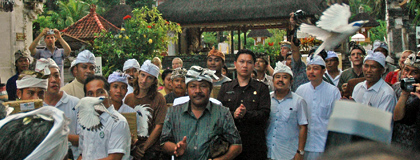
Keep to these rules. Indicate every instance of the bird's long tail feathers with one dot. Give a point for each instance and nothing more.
(319, 49)
(144, 114)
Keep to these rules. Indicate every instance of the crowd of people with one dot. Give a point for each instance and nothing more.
(201, 113)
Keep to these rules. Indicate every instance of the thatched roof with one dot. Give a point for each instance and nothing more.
(116, 14)
(365, 16)
(259, 33)
(190, 12)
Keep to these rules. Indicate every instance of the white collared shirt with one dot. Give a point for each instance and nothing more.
(67, 104)
(320, 103)
(336, 79)
(283, 129)
(113, 137)
(125, 109)
(380, 95)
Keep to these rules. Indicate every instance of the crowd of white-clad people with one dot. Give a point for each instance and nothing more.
(201, 113)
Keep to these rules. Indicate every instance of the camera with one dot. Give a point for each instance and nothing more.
(407, 84)
(50, 32)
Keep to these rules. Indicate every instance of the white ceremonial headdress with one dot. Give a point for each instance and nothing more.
(197, 73)
(44, 65)
(83, 57)
(331, 54)
(315, 59)
(150, 68)
(55, 144)
(31, 79)
(379, 44)
(376, 56)
(179, 72)
(131, 63)
(118, 76)
(282, 68)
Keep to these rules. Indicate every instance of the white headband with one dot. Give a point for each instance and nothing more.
(150, 68)
(131, 63)
(281, 68)
(197, 73)
(85, 57)
(331, 54)
(55, 144)
(44, 65)
(118, 77)
(315, 59)
(376, 56)
(31, 81)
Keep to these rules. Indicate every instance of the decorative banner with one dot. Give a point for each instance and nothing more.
(98, 70)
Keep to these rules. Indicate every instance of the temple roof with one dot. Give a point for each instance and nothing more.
(222, 13)
(259, 33)
(86, 27)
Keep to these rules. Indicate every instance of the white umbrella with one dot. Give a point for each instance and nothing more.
(358, 37)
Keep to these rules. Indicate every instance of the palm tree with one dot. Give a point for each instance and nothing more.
(72, 11)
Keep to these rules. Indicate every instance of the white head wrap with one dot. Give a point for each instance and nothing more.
(331, 54)
(282, 68)
(131, 63)
(178, 72)
(150, 68)
(45, 65)
(413, 60)
(83, 57)
(31, 81)
(380, 44)
(197, 73)
(118, 76)
(315, 59)
(55, 144)
(376, 56)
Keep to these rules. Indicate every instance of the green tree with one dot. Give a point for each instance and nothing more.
(379, 32)
(143, 36)
(414, 9)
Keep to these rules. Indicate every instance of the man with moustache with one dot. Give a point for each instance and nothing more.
(374, 91)
(132, 68)
(178, 85)
(249, 102)
(320, 97)
(22, 63)
(287, 127)
(64, 102)
(81, 68)
(202, 121)
(215, 62)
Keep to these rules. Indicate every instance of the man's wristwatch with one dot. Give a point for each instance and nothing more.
(301, 152)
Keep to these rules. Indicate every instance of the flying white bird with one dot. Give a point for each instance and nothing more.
(88, 115)
(333, 27)
(143, 116)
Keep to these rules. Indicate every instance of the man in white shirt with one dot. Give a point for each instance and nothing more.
(113, 140)
(132, 68)
(319, 96)
(374, 91)
(64, 102)
(333, 74)
(287, 127)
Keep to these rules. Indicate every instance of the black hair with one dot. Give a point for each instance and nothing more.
(96, 77)
(245, 51)
(227, 71)
(165, 73)
(3, 111)
(18, 139)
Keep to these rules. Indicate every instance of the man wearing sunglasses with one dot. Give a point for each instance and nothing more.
(81, 68)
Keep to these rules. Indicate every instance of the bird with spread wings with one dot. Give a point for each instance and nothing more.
(333, 27)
